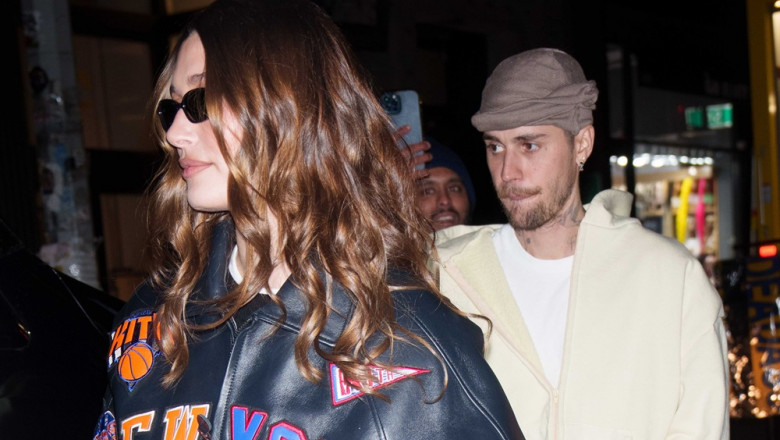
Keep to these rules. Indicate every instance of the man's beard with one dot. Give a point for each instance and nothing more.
(531, 218)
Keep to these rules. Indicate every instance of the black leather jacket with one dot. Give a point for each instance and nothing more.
(242, 381)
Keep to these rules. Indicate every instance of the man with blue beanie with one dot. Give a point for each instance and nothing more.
(446, 195)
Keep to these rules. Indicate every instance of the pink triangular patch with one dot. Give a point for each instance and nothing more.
(342, 391)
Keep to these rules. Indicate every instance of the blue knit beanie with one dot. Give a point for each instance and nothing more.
(444, 157)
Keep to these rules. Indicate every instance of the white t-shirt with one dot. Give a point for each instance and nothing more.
(236, 274)
(541, 289)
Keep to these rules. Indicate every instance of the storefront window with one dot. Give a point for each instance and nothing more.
(675, 195)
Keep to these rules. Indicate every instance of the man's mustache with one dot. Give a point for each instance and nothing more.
(508, 191)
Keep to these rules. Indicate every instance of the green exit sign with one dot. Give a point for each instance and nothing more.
(719, 116)
(694, 118)
(709, 117)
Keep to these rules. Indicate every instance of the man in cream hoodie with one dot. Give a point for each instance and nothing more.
(601, 328)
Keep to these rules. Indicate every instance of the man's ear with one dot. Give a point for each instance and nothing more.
(583, 143)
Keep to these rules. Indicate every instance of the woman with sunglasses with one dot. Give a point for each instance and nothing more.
(290, 296)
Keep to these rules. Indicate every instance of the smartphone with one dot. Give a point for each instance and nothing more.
(403, 107)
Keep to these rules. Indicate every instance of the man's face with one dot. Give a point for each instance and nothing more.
(534, 171)
(442, 198)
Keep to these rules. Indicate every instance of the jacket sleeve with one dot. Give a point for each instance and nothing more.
(106, 426)
(703, 405)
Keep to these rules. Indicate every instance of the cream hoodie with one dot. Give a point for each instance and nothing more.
(645, 348)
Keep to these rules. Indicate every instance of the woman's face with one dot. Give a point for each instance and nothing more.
(203, 167)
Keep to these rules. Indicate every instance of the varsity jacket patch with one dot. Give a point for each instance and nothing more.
(132, 348)
(342, 390)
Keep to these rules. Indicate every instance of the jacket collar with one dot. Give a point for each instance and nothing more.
(340, 311)
(215, 281)
(296, 305)
(609, 208)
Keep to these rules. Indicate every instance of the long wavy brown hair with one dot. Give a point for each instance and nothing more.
(316, 150)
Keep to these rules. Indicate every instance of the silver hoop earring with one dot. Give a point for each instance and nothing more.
(581, 166)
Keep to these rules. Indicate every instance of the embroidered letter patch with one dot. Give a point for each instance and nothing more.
(342, 391)
(132, 350)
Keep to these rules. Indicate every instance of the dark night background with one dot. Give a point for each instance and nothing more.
(685, 46)
(445, 49)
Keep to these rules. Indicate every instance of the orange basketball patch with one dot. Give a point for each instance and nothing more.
(135, 362)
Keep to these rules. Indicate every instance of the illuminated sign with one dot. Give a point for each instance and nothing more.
(767, 251)
(763, 290)
(710, 117)
(694, 118)
(719, 116)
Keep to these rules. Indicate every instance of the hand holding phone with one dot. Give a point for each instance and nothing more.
(403, 107)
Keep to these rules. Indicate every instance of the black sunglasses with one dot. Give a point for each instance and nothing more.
(193, 103)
